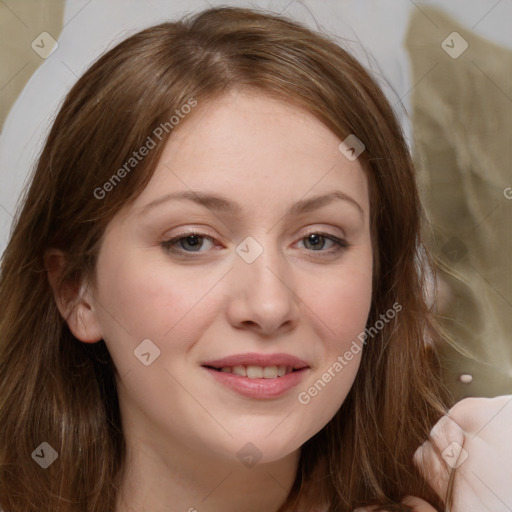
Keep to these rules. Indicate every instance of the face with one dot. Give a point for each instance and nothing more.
(234, 331)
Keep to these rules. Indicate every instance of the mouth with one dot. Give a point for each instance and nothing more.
(258, 376)
(257, 372)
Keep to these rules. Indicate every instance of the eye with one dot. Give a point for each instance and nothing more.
(317, 240)
(193, 241)
(186, 240)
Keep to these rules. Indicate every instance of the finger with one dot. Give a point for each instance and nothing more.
(432, 467)
(417, 504)
(436, 458)
(472, 414)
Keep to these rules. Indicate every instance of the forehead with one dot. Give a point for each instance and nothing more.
(259, 151)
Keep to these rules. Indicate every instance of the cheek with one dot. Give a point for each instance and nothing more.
(342, 302)
(139, 301)
(346, 307)
(342, 308)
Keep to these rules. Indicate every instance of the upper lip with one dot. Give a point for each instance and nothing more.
(254, 359)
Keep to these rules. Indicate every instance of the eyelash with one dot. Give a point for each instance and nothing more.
(167, 245)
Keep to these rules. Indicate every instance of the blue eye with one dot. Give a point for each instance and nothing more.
(192, 242)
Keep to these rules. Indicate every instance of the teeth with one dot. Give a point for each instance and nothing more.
(270, 372)
(255, 372)
(258, 372)
(240, 370)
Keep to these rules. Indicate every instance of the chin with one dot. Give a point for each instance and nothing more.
(261, 448)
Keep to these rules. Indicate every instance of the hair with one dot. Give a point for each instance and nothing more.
(56, 389)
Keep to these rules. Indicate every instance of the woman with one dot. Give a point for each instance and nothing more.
(169, 338)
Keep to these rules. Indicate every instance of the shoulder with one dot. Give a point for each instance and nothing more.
(473, 440)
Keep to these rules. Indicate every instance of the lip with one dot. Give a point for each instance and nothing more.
(258, 388)
(254, 359)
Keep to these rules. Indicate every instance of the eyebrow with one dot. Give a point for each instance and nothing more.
(221, 204)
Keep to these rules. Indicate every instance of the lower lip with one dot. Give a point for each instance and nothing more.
(258, 388)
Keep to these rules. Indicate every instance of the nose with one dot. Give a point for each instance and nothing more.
(264, 297)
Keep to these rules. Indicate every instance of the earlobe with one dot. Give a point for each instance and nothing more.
(73, 300)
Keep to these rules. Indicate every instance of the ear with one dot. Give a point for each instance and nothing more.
(73, 300)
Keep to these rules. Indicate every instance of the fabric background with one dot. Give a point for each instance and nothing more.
(462, 113)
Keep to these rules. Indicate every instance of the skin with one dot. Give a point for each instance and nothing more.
(474, 438)
(183, 428)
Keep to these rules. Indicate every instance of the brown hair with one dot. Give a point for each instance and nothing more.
(56, 389)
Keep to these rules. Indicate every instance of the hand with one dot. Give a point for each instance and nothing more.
(417, 504)
(474, 440)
